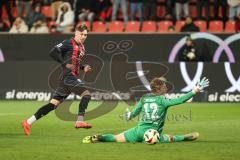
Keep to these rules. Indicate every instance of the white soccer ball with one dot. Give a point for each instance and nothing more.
(151, 136)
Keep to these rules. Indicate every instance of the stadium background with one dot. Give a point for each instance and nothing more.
(26, 67)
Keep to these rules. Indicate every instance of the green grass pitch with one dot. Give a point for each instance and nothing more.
(52, 138)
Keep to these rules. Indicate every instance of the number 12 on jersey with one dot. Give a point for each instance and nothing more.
(150, 110)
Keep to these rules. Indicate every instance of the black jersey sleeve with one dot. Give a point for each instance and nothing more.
(57, 52)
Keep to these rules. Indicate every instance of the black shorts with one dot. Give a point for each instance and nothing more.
(68, 85)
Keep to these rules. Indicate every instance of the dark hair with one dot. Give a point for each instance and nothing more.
(82, 27)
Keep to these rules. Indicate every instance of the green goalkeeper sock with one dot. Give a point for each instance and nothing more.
(168, 138)
(107, 138)
(178, 138)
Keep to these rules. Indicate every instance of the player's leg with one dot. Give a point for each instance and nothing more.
(127, 136)
(44, 110)
(105, 138)
(112, 138)
(191, 136)
(58, 97)
(165, 138)
(86, 96)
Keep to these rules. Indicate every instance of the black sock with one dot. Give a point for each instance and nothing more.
(83, 104)
(44, 110)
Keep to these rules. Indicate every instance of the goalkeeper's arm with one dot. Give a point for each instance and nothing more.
(198, 88)
(136, 111)
(179, 100)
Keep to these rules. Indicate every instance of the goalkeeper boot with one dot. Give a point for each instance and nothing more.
(26, 127)
(91, 139)
(191, 136)
(80, 124)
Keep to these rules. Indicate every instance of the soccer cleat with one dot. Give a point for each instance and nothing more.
(26, 127)
(87, 139)
(191, 136)
(80, 124)
(91, 139)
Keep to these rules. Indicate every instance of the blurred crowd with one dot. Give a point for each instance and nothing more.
(61, 16)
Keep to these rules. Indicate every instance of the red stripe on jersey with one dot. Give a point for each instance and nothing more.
(75, 62)
(82, 50)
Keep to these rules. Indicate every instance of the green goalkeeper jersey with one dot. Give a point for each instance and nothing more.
(154, 109)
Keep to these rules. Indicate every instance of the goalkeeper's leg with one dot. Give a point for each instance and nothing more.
(129, 135)
(104, 138)
(165, 138)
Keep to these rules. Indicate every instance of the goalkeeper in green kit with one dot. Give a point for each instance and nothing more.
(153, 107)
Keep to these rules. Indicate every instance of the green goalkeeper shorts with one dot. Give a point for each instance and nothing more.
(136, 134)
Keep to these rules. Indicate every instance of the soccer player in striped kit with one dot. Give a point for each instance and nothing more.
(69, 54)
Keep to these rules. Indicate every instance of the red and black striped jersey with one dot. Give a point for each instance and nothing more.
(69, 52)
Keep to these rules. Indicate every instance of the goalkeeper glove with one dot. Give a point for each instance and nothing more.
(201, 85)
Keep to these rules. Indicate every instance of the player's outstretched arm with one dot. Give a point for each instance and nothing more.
(200, 86)
(130, 115)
